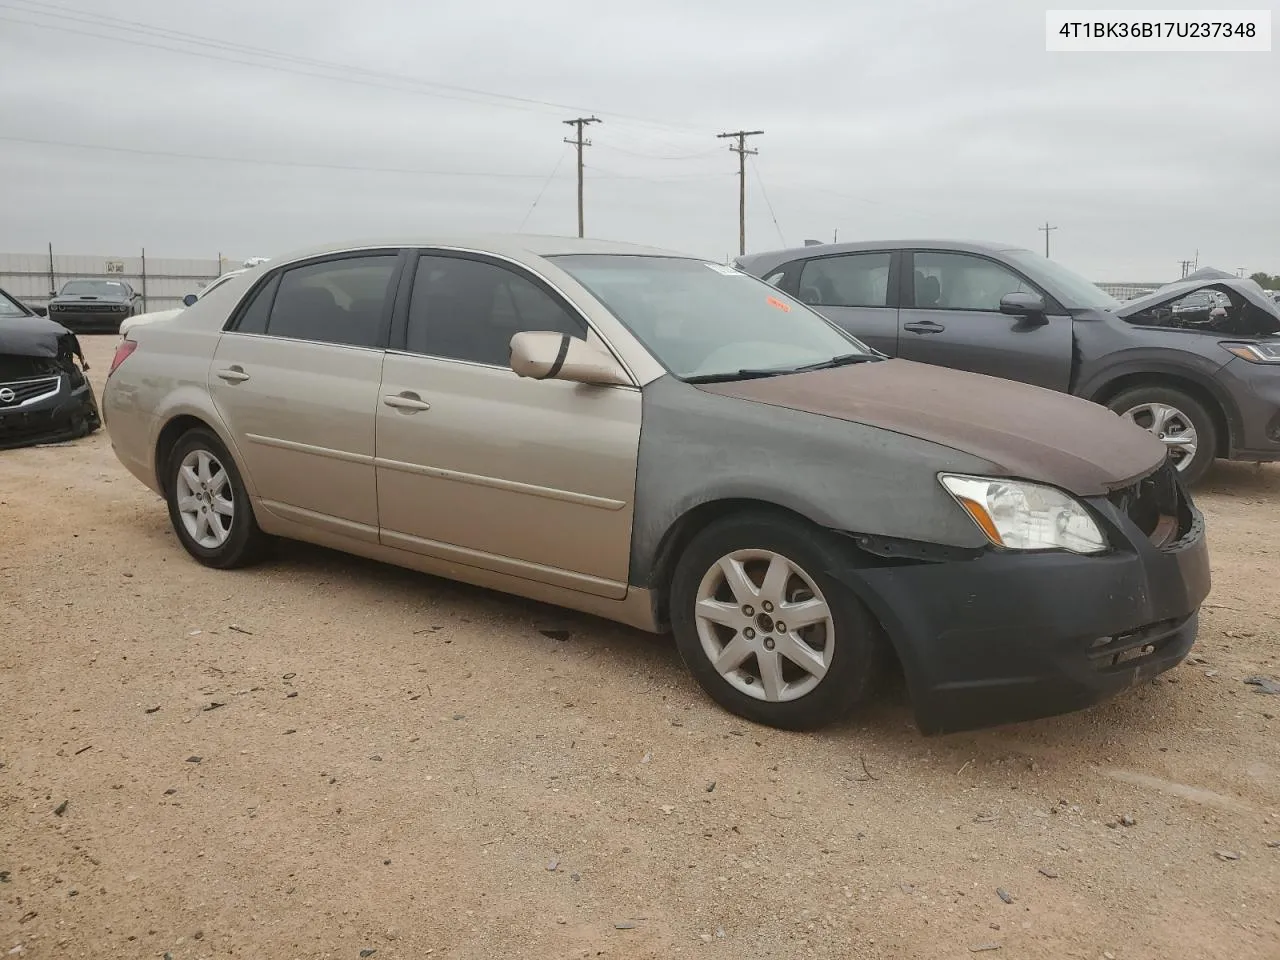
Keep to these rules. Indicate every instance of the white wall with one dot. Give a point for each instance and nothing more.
(26, 275)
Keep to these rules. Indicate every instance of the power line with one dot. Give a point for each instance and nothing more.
(740, 148)
(768, 203)
(221, 48)
(610, 175)
(547, 183)
(597, 173)
(650, 156)
(581, 123)
(259, 161)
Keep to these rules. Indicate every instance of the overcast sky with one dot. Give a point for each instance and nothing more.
(916, 118)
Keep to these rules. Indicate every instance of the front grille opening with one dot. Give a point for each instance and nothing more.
(1157, 506)
(16, 393)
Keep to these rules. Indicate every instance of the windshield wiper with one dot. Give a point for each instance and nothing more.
(843, 360)
(744, 374)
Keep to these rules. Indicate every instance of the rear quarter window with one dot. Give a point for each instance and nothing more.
(253, 319)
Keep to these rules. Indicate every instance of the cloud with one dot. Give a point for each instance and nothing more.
(918, 118)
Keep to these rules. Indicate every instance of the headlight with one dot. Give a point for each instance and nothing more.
(1025, 516)
(1255, 352)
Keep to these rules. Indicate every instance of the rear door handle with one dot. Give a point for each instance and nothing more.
(408, 402)
(233, 375)
(924, 326)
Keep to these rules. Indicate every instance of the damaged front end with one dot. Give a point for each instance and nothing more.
(44, 393)
(1225, 307)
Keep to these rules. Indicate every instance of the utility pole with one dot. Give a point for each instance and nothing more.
(1186, 266)
(1046, 228)
(740, 148)
(579, 142)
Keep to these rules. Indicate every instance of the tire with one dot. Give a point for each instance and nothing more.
(847, 644)
(1167, 407)
(211, 535)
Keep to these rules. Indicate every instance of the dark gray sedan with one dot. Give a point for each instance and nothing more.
(1205, 381)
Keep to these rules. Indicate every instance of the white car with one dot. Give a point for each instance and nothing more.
(188, 300)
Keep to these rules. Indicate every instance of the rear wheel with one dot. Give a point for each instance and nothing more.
(1178, 420)
(765, 630)
(208, 504)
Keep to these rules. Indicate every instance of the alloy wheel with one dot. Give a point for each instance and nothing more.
(764, 625)
(205, 500)
(1171, 426)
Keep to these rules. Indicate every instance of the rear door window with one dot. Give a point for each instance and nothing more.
(343, 301)
(849, 280)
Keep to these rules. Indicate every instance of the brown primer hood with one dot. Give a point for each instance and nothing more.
(1027, 432)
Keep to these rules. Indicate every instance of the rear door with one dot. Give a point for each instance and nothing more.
(858, 291)
(951, 317)
(296, 379)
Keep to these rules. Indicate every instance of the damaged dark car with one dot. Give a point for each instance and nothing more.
(1196, 363)
(44, 393)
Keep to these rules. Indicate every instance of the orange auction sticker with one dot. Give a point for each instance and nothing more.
(775, 302)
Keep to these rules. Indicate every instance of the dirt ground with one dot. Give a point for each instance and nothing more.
(325, 757)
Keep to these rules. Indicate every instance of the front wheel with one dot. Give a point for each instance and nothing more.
(1178, 420)
(208, 504)
(763, 627)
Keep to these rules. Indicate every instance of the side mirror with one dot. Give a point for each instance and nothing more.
(1022, 304)
(189, 299)
(544, 355)
(40, 311)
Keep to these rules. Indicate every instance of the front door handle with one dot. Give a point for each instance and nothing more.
(924, 326)
(408, 401)
(233, 374)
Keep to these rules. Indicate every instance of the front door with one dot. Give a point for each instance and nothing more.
(952, 318)
(296, 380)
(531, 478)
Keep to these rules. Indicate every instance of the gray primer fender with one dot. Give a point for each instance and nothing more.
(698, 447)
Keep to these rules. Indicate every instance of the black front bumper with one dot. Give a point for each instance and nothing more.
(1005, 637)
(90, 321)
(72, 412)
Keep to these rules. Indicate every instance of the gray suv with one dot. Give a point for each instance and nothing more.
(1197, 362)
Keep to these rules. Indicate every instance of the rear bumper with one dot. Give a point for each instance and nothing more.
(72, 413)
(1005, 637)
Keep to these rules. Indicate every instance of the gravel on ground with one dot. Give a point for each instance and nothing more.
(327, 757)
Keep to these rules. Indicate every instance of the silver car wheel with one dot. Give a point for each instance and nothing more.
(205, 499)
(1173, 427)
(764, 625)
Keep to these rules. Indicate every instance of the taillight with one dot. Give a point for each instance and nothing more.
(123, 353)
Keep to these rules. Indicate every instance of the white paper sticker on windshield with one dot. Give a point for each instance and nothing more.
(724, 271)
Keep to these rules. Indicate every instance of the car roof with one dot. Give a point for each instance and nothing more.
(825, 249)
(515, 246)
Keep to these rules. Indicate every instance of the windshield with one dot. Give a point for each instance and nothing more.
(93, 288)
(10, 307)
(1068, 286)
(702, 319)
